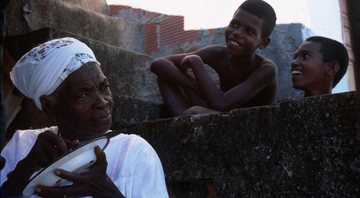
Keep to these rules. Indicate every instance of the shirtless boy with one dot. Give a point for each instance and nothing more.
(318, 65)
(246, 78)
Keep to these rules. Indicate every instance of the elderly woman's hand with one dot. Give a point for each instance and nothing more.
(95, 182)
(47, 148)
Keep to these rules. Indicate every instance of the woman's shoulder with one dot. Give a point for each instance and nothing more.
(128, 139)
(132, 143)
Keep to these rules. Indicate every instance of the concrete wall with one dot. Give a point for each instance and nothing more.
(94, 5)
(299, 148)
(347, 42)
(24, 16)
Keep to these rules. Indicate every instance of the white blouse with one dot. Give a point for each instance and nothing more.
(133, 164)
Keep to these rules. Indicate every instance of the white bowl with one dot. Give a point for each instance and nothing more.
(77, 161)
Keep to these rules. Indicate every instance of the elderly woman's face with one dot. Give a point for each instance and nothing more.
(84, 104)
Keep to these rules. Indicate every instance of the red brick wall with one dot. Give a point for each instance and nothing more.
(115, 9)
(172, 32)
(151, 38)
(168, 33)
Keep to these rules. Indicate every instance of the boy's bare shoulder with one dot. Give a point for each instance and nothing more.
(266, 69)
(263, 61)
(214, 49)
(212, 53)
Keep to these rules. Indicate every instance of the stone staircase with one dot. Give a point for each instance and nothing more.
(297, 148)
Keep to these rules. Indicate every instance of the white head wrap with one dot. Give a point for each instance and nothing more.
(41, 70)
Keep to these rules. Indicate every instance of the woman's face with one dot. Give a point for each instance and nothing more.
(84, 103)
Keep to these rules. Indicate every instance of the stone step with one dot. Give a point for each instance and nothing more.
(24, 16)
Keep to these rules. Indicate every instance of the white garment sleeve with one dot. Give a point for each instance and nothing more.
(16, 149)
(133, 164)
(149, 175)
(139, 173)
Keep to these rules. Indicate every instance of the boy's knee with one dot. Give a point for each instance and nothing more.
(191, 111)
(198, 110)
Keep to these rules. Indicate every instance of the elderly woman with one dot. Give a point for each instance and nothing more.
(64, 79)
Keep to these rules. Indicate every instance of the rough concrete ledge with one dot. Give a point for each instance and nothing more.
(302, 147)
(128, 111)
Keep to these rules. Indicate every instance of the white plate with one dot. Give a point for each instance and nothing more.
(77, 161)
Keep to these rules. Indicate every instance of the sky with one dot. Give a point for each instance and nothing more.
(198, 12)
(206, 14)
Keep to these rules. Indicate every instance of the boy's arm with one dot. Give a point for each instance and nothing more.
(168, 71)
(238, 95)
(168, 68)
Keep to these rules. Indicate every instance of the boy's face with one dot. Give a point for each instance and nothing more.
(243, 34)
(308, 70)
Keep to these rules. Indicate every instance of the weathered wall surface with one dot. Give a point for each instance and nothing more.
(29, 15)
(304, 147)
(353, 8)
(94, 5)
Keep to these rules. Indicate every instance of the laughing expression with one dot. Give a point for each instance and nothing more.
(308, 68)
(243, 34)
